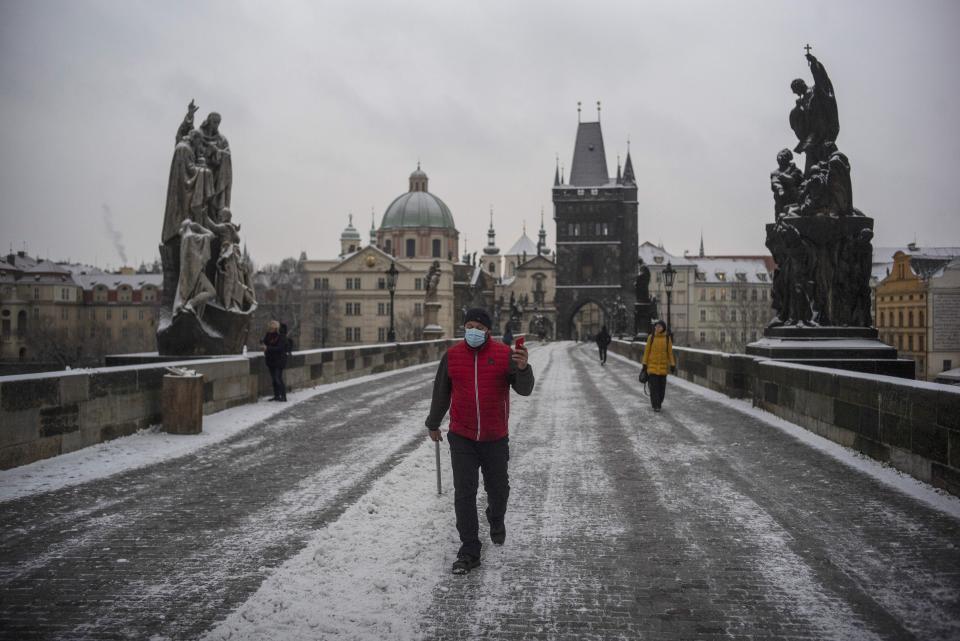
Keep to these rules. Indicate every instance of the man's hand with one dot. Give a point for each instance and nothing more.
(519, 357)
(435, 435)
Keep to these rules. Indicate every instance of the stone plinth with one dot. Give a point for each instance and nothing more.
(848, 348)
(431, 328)
(642, 314)
(182, 404)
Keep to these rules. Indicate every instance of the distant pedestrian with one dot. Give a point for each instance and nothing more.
(275, 356)
(603, 340)
(473, 381)
(507, 337)
(658, 361)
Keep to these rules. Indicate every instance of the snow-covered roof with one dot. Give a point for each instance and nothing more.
(113, 281)
(731, 269)
(523, 244)
(653, 256)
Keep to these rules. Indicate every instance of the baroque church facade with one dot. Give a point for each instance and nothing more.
(597, 239)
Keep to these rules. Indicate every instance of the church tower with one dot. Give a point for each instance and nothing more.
(597, 242)
(349, 239)
(491, 252)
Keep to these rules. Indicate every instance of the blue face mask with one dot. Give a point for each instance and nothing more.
(475, 337)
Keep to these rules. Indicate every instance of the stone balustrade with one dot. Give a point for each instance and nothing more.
(912, 425)
(47, 414)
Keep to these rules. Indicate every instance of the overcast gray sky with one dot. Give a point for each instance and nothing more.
(328, 106)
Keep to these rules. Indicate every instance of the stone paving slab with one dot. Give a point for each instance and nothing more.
(698, 523)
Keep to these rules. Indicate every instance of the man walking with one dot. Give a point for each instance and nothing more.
(603, 340)
(473, 381)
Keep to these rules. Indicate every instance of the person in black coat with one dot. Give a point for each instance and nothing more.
(603, 340)
(275, 357)
(507, 336)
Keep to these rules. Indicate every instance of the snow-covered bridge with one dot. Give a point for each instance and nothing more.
(320, 520)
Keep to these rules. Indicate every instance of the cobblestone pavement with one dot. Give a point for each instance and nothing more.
(698, 523)
(169, 549)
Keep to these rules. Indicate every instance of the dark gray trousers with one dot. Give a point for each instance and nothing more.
(658, 389)
(490, 458)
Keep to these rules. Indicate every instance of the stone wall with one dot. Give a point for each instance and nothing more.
(913, 426)
(43, 415)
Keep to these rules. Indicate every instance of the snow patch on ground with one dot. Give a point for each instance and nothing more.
(886, 474)
(364, 576)
(151, 446)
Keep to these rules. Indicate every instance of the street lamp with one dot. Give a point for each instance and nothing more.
(392, 288)
(668, 275)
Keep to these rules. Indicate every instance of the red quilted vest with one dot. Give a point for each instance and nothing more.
(480, 390)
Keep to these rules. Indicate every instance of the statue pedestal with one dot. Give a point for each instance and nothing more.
(431, 328)
(855, 349)
(642, 314)
(218, 332)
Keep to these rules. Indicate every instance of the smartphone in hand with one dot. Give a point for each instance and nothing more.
(518, 344)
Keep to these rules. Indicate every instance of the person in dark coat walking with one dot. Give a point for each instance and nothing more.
(507, 337)
(275, 356)
(603, 340)
(473, 381)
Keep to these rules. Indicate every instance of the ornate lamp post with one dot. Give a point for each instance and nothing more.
(392, 288)
(668, 274)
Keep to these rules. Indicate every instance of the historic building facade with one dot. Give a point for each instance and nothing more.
(918, 308)
(597, 244)
(346, 301)
(70, 314)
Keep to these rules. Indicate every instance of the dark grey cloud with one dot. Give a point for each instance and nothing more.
(329, 105)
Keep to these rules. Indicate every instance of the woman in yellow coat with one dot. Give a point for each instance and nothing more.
(658, 361)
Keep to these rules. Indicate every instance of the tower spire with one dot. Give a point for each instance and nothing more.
(701, 242)
(542, 236)
(578, 111)
(491, 249)
(628, 176)
(373, 227)
(598, 111)
(556, 173)
(619, 179)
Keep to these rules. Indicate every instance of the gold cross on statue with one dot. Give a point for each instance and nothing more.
(808, 48)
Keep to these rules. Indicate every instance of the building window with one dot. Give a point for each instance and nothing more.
(703, 316)
(713, 294)
(418, 284)
(763, 295)
(381, 309)
(753, 295)
(910, 343)
(381, 334)
(436, 247)
(388, 247)
(381, 283)
(356, 334)
(418, 309)
(910, 318)
(123, 314)
(920, 340)
(606, 229)
(753, 336)
(723, 337)
(411, 247)
(36, 293)
(947, 364)
(733, 315)
(349, 335)
(352, 283)
(920, 320)
(703, 337)
(900, 316)
(108, 314)
(64, 313)
(703, 294)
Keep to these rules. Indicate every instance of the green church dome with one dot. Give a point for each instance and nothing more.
(417, 208)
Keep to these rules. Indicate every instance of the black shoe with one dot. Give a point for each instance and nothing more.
(465, 563)
(498, 534)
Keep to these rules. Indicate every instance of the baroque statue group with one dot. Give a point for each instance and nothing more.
(820, 242)
(208, 289)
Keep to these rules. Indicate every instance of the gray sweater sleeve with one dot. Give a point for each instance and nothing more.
(441, 396)
(521, 380)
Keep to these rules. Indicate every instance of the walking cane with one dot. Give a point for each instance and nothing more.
(437, 443)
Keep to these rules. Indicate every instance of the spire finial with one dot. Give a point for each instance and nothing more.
(598, 111)
(578, 111)
(491, 216)
(701, 242)
(350, 218)
(524, 226)
(628, 143)
(373, 217)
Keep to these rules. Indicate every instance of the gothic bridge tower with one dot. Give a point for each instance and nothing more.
(597, 242)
